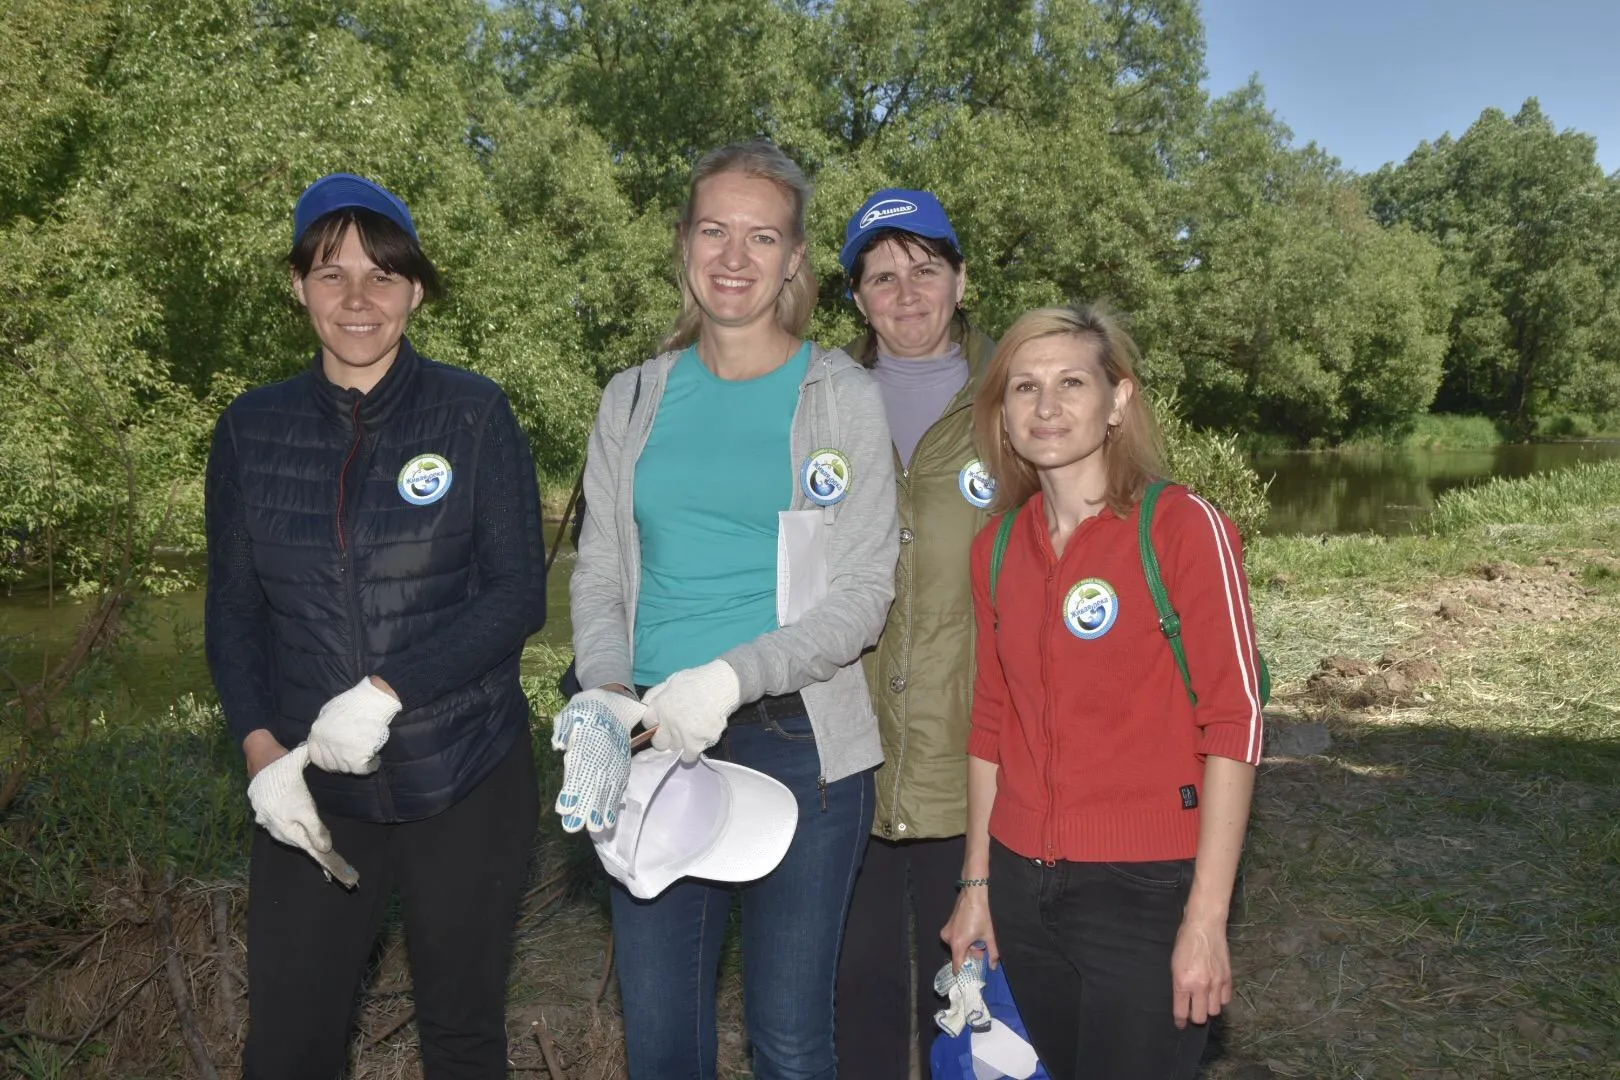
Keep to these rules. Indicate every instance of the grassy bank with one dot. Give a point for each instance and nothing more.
(1430, 895)
(1433, 895)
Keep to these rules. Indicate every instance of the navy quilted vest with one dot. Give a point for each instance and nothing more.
(355, 571)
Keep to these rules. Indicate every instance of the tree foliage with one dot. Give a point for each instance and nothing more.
(151, 150)
(1527, 223)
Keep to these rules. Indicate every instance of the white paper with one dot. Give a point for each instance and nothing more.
(1002, 1052)
(801, 563)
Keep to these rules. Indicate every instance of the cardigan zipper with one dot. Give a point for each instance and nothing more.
(1051, 728)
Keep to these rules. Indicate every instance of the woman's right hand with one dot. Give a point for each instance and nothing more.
(260, 748)
(969, 926)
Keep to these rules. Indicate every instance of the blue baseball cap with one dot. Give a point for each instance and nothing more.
(340, 191)
(896, 208)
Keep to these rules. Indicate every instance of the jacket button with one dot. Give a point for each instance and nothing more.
(905, 536)
(897, 684)
(885, 828)
(901, 826)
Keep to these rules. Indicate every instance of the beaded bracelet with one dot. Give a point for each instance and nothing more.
(963, 883)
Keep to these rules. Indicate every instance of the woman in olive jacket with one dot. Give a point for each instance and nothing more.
(907, 276)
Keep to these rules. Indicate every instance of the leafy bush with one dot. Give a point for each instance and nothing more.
(164, 791)
(1212, 465)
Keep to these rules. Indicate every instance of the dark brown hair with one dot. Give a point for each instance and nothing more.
(392, 248)
(865, 350)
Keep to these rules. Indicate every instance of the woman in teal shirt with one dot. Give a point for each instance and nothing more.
(701, 462)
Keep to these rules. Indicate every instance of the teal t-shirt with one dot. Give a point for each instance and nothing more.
(715, 472)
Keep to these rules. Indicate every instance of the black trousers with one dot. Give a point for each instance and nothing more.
(904, 894)
(460, 878)
(1087, 948)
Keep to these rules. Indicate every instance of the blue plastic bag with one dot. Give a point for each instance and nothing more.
(951, 1057)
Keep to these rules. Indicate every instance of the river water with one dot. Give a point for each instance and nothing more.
(1343, 492)
(1310, 493)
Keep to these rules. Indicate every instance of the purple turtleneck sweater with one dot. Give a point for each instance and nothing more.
(916, 392)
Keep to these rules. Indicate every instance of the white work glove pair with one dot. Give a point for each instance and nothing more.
(593, 731)
(964, 987)
(350, 729)
(282, 804)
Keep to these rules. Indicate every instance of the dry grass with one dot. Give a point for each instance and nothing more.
(1435, 896)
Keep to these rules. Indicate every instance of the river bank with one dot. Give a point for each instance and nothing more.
(1428, 890)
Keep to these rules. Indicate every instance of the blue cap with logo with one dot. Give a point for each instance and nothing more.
(340, 191)
(896, 208)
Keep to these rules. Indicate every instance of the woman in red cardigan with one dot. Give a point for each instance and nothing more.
(1106, 811)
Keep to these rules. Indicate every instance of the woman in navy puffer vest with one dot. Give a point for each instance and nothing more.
(375, 565)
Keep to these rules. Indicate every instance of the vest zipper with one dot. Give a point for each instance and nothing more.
(351, 591)
(343, 477)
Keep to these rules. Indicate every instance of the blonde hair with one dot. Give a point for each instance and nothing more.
(1133, 450)
(761, 160)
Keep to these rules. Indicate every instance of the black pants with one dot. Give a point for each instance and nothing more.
(460, 878)
(905, 893)
(1087, 948)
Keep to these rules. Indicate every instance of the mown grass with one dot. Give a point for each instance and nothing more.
(1435, 896)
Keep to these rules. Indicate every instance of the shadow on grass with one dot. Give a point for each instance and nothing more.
(1434, 899)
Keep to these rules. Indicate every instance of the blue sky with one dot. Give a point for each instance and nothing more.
(1369, 79)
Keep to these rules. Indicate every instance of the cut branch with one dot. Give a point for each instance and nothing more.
(163, 921)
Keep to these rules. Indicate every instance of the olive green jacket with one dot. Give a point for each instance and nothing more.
(921, 672)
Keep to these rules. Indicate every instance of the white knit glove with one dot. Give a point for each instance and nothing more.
(351, 729)
(627, 710)
(691, 708)
(965, 990)
(282, 804)
(593, 730)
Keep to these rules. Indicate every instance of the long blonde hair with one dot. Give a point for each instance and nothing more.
(761, 160)
(1133, 451)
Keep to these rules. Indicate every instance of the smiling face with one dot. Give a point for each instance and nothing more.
(739, 248)
(1058, 404)
(358, 310)
(909, 295)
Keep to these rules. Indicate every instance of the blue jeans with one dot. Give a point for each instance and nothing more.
(667, 950)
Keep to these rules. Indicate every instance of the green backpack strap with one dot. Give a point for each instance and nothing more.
(1169, 621)
(999, 552)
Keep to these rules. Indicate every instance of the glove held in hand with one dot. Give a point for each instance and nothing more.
(351, 729)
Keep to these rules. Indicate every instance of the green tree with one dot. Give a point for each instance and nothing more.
(1298, 313)
(1520, 211)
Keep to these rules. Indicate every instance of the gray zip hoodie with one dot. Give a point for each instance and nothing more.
(840, 408)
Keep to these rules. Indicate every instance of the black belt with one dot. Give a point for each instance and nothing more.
(771, 706)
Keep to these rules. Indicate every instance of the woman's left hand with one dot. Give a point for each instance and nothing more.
(1200, 971)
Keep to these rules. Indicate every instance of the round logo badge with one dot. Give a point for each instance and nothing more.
(976, 484)
(1090, 608)
(826, 477)
(425, 479)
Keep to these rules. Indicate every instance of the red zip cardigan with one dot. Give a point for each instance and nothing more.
(1078, 699)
